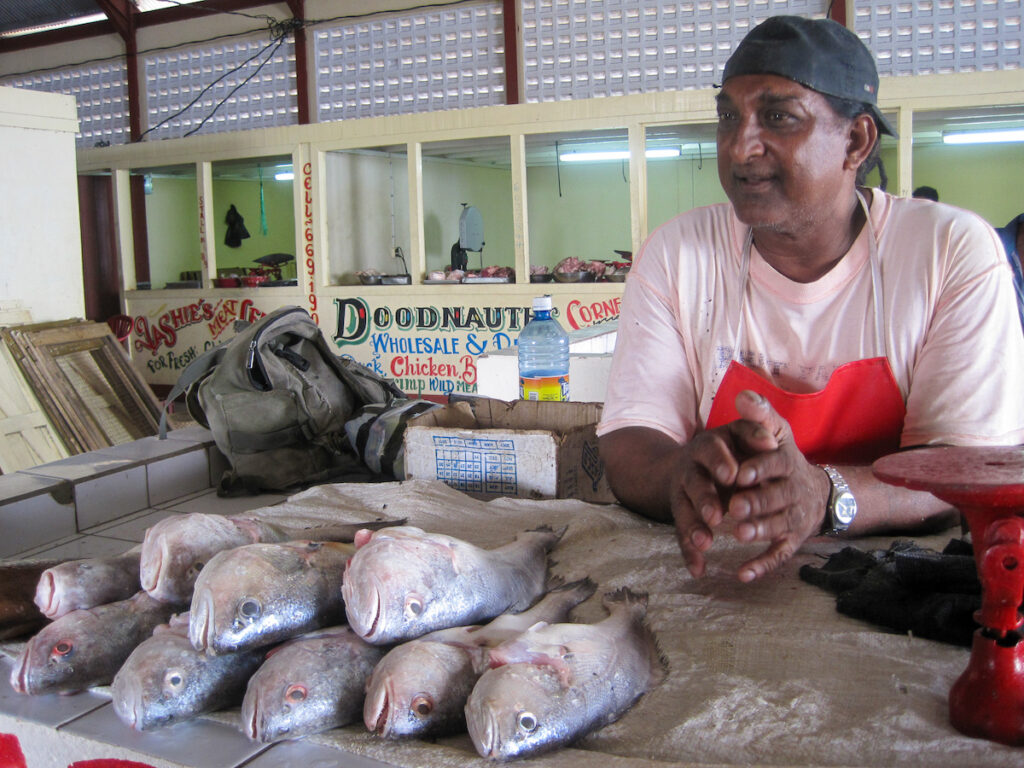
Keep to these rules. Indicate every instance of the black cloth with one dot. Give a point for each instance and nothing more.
(236, 228)
(906, 588)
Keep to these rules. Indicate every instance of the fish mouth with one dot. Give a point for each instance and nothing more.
(486, 740)
(46, 592)
(377, 710)
(200, 623)
(251, 721)
(365, 625)
(127, 704)
(19, 674)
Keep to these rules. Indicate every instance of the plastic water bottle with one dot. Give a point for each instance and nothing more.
(543, 356)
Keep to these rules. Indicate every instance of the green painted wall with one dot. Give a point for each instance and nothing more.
(587, 217)
(987, 178)
(172, 227)
(245, 196)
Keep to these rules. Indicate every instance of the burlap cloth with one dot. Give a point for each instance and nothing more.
(761, 674)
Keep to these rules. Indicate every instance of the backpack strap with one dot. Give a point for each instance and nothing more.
(198, 368)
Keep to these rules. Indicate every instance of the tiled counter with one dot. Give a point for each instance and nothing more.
(98, 504)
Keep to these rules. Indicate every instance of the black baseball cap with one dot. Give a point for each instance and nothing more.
(820, 54)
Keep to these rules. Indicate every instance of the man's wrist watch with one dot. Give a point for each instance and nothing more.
(841, 507)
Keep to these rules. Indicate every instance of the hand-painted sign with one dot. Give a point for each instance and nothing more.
(427, 349)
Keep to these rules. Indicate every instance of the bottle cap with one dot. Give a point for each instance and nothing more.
(542, 304)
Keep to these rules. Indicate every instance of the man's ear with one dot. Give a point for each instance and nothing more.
(861, 140)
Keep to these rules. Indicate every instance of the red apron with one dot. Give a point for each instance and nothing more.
(855, 419)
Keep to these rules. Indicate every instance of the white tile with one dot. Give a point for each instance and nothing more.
(50, 709)
(134, 527)
(33, 553)
(197, 743)
(34, 521)
(85, 546)
(110, 496)
(211, 504)
(21, 485)
(148, 449)
(193, 433)
(82, 466)
(178, 475)
(287, 754)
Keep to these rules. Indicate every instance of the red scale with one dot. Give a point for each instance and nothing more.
(987, 486)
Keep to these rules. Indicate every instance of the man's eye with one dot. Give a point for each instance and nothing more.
(775, 116)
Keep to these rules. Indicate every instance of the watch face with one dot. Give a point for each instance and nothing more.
(845, 508)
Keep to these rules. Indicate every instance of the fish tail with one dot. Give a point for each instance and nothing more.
(551, 535)
(626, 599)
(581, 588)
(635, 605)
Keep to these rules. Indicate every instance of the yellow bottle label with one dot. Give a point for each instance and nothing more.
(544, 388)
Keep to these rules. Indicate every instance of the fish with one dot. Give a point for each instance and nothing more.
(166, 681)
(309, 684)
(555, 683)
(19, 614)
(260, 594)
(85, 648)
(420, 687)
(175, 549)
(404, 582)
(79, 584)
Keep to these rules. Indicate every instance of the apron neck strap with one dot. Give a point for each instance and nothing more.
(876, 283)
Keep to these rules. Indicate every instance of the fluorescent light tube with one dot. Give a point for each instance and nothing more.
(284, 176)
(983, 137)
(615, 154)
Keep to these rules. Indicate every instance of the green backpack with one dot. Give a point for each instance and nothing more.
(276, 399)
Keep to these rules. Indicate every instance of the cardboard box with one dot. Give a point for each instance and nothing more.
(536, 450)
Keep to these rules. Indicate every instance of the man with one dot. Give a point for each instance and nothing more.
(1012, 236)
(771, 348)
(926, 193)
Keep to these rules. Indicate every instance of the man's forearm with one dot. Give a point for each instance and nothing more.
(882, 508)
(640, 466)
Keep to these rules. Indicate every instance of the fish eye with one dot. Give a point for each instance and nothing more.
(249, 608)
(174, 680)
(422, 705)
(63, 648)
(194, 569)
(413, 607)
(314, 545)
(526, 721)
(296, 693)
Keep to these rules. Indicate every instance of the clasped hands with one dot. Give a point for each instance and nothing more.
(751, 471)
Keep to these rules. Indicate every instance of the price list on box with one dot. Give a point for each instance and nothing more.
(483, 465)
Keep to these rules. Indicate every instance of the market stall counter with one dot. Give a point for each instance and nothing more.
(758, 674)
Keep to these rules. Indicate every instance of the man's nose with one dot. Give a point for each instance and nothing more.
(745, 139)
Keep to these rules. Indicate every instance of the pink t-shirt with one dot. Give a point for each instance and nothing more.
(950, 325)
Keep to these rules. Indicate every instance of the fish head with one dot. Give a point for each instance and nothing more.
(250, 596)
(60, 657)
(59, 588)
(157, 683)
(520, 709)
(279, 702)
(398, 587)
(176, 549)
(419, 688)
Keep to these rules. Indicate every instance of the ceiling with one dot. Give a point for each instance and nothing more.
(18, 15)
(40, 15)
